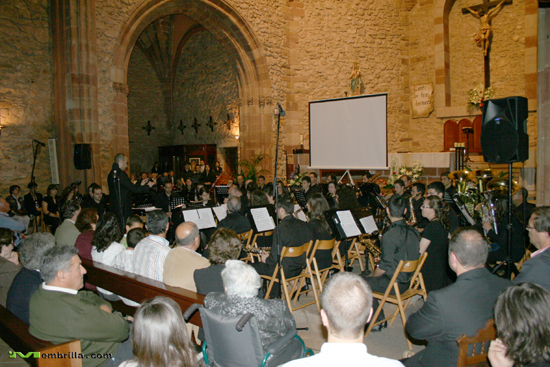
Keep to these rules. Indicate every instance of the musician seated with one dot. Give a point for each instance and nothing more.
(164, 198)
(269, 192)
(417, 195)
(308, 189)
(189, 191)
(499, 240)
(437, 188)
(399, 187)
(523, 209)
(235, 191)
(204, 195)
(235, 220)
(314, 180)
(317, 205)
(346, 198)
(450, 190)
(258, 198)
(261, 182)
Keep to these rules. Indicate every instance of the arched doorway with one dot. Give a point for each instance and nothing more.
(235, 36)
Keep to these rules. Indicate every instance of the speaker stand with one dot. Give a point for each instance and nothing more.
(508, 263)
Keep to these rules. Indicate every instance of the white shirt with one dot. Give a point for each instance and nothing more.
(149, 256)
(344, 354)
(59, 289)
(106, 257)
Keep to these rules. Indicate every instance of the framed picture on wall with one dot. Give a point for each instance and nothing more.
(196, 160)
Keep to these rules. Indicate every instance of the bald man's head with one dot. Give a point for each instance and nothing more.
(187, 235)
(235, 192)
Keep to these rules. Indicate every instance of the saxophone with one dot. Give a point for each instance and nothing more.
(412, 217)
(371, 247)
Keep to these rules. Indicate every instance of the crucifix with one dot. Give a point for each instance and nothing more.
(182, 127)
(148, 128)
(211, 124)
(196, 126)
(485, 12)
(228, 122)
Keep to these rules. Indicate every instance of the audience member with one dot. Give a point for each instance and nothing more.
(241, 284)
(346, 308)
(150, 253)
(235, 220)
(133, 221)
(86, 223)
(435, 240)
(59, 312)
(123, 260)
(67, 233)
(106, 240)
(27, 281)
(183, 260)
(9, 263)
(6, 221)
(522, 321)
(50, 208)
(537, 269)
(224, 245)
(399, 242)
(160, 337)
(17, 206)
(462, 307)
(290, 232)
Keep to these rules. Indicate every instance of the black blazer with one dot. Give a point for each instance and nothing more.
(235, 221)
(461, 308)
(120, 191)
(209, 279)
(536, 270)
(30, 205)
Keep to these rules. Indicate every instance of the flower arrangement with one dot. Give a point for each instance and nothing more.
(478, 95)
(396, 171)
(297, 181)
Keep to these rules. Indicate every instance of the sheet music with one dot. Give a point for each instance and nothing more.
(262, 219)
(203, 217)
(148, 209)
(220, 211)
(301, 215)
(348, 223)
(369, 224)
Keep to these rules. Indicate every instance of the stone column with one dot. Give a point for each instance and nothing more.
(75, 85)
(543, 102)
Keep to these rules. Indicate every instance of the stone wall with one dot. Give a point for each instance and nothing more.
(25, 92)
(206, 85)
(145, 103)
(507, 53)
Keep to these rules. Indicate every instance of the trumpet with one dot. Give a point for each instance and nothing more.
(371, 247)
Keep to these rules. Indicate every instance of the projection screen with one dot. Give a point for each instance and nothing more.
(349, 133)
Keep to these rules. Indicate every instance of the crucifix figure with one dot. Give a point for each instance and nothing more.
(182, 127)
(228, 122)
(211, 124)
(148, 128)
(196, 126)
(485, 13)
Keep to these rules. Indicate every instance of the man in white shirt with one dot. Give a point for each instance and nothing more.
(347, 307)
(150, 253)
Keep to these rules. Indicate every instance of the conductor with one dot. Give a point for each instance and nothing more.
(120, 188)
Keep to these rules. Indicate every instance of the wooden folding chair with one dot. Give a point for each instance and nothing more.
(290, 252)
(246, 238)
(482, 337)
(402, 300)
(322, 274)
(355, 252)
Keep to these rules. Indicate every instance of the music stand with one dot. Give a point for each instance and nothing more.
(299, 195)
(468, 131)
(222, 192)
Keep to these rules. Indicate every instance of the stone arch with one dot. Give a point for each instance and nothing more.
(233, 34)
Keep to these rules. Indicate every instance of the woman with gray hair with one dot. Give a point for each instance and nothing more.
(27, 281)
(241, 284)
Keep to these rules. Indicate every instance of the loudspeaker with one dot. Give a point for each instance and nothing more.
(82, 156)
(504, 136)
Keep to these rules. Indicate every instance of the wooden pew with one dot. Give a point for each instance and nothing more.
(16, 334)
(137, 288)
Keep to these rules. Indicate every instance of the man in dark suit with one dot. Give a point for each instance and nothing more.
(290, 232)
(120, 190)
(537, 269)
(235, 220)
(462, 307)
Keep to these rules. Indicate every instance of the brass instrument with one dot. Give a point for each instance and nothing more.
(496, 187)
(500, 186)
(483, 176)
(412, 217)
(374, 178)
(371, 247)
(462, 177)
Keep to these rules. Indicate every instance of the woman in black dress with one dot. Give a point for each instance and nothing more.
(316, 206)
(50, 208)
(435, 240)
